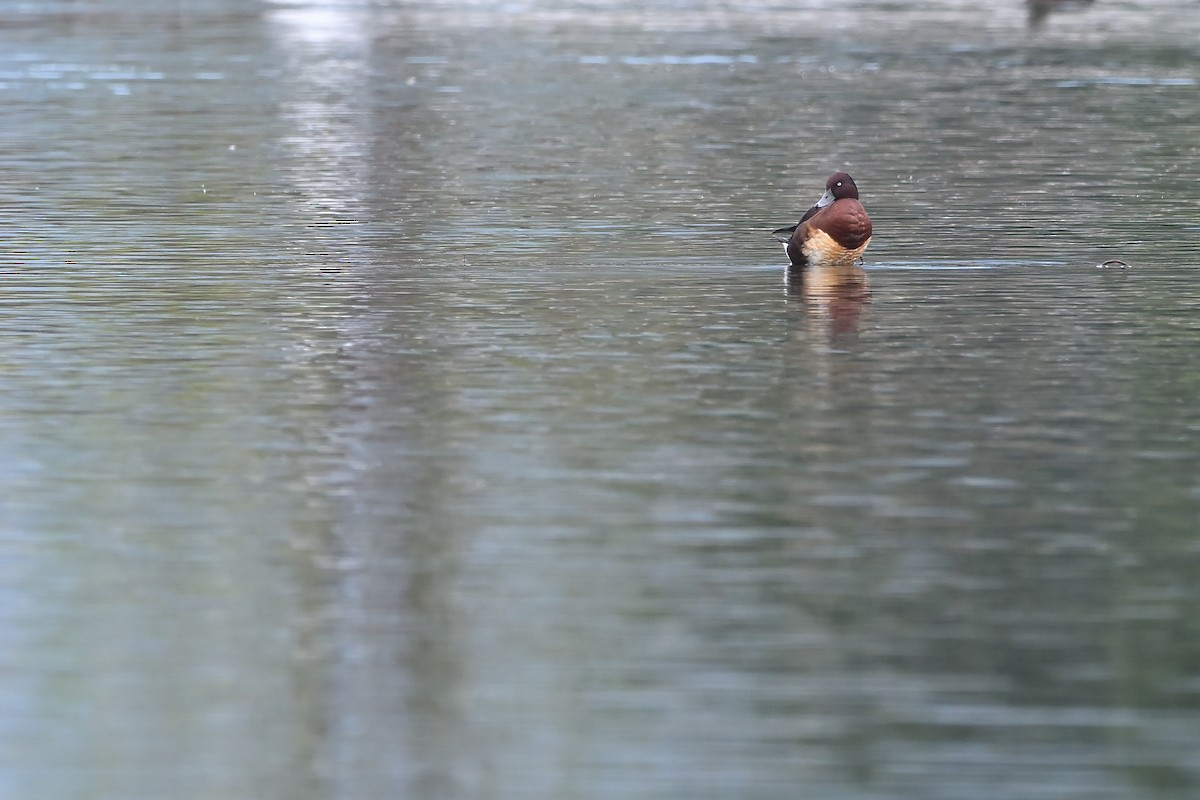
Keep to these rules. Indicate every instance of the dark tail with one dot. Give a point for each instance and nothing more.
(784, 234)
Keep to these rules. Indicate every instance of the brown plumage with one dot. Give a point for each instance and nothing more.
(834, 231)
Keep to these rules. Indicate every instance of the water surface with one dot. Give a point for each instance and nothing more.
(404, 400)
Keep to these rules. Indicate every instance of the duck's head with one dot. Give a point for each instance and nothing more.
(840, 186)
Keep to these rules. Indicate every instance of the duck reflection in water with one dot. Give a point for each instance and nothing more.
(1040, 9)
(834, 293)
(825, 251)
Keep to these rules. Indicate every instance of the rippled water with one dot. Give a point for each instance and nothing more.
(404, 400)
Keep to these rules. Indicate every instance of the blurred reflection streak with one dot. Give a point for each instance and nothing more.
(397, 670)
(325, 49)
(835, 295)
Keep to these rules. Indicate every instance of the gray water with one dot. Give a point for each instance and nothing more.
(403, 400)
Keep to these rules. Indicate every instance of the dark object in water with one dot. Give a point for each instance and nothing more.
(1113, 263)
(1040, 9)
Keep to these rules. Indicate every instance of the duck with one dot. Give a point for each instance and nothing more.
(834, 232)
